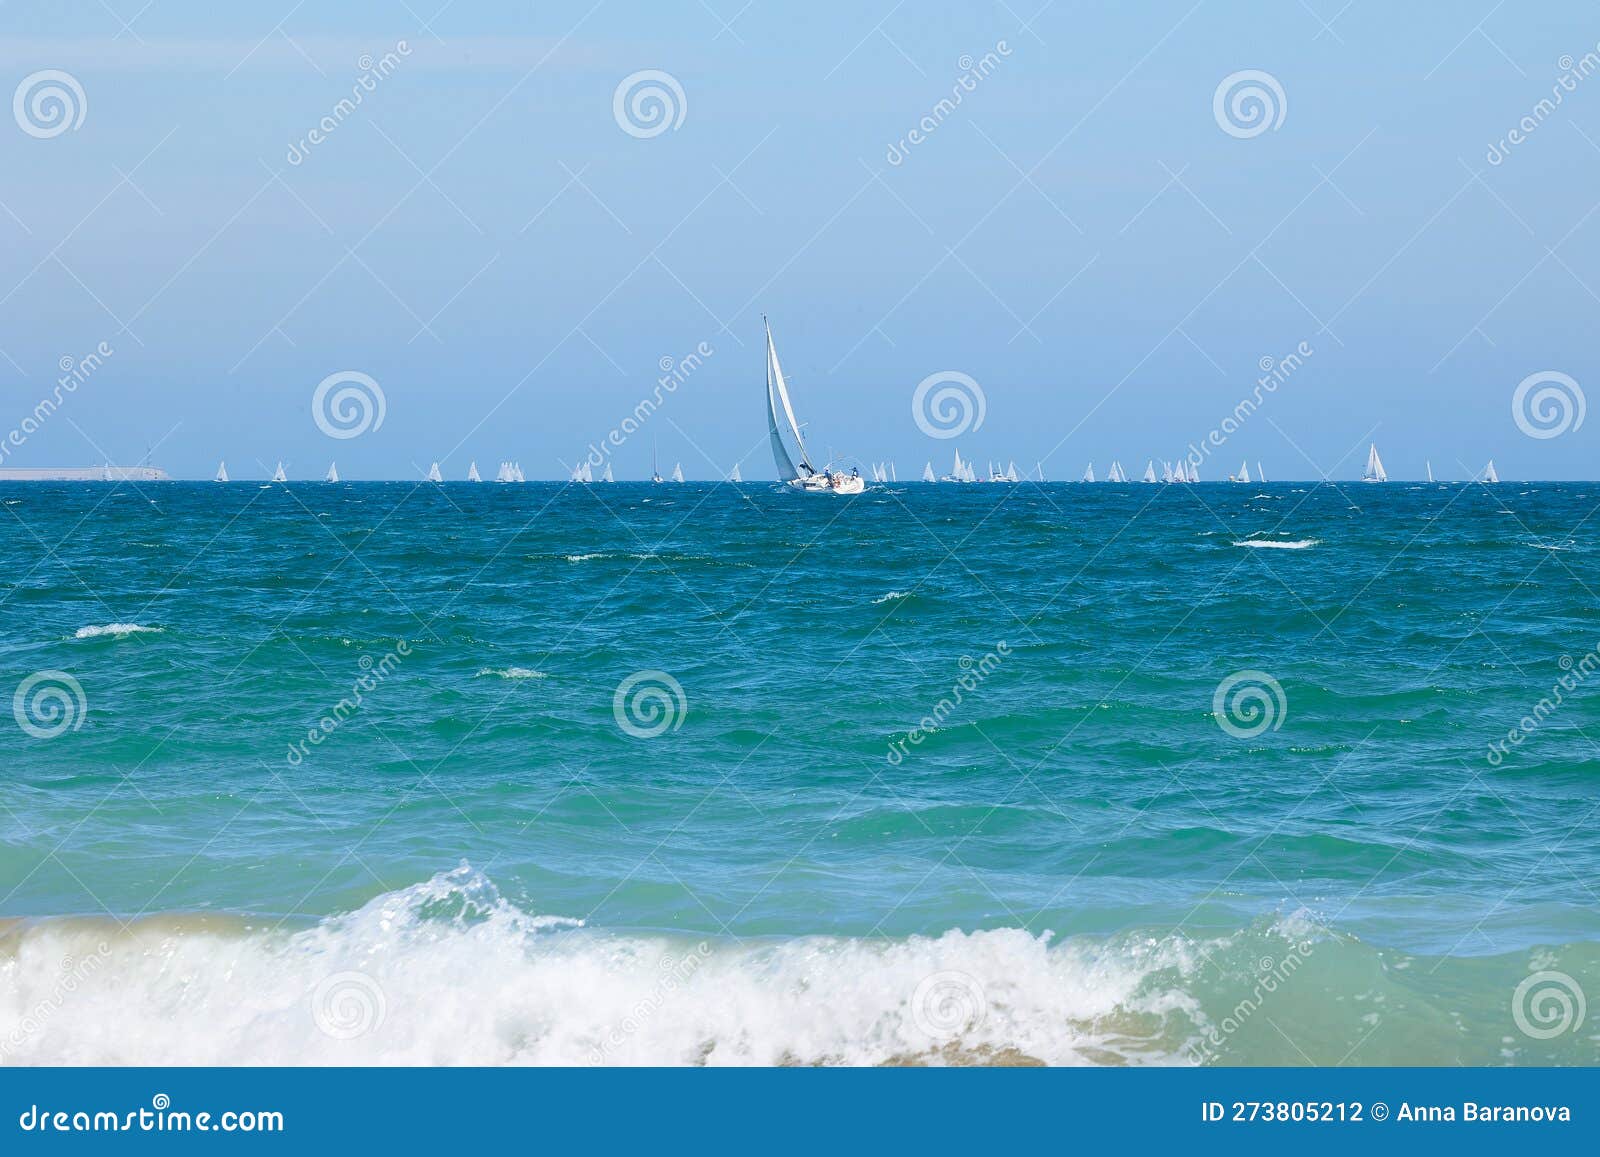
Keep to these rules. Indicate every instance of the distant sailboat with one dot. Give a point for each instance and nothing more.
(333, 473)
(1088, 473)
(802, 476)
(1011, 472)
(222, 472)
(1374, 471)
(1244, 473)
(517, 474)
(1261, 475)
(960, 471)
(472, 472)
(733, 475)
(677, 471)
(1166, 471)
(893, 477)
(927, 473)
(606, 477)
(1038, 470)
(433, 473)
(278, 475)
(1149, 471)
(1489, 474)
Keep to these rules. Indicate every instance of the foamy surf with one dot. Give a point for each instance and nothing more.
(119, 630)
(1279, 544)
(512, 673)
(449, 972)
(891, 596)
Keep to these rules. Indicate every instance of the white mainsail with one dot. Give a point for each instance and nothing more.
(1011, 472)
(472, 472)
(893, 477)
(1489, 474)
(333, 473)
(1428, 465)
(278, 475)
(1088, 474)
(222, 472)
(927, 473)
(1244, 472)
(433, 473)
(606, 476)
(778, 398)
(1166, 471)
(1150, 470)
(1261, 475)
(733, 475)
(516, 473)
(1374, 471)
(677, 471)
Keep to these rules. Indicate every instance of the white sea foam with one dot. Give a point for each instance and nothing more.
(891, 595)
(448, 972)
(1279, 544)
(513, 673)
(584, 557)
(117, 629)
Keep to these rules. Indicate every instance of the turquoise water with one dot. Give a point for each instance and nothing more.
(938, 776)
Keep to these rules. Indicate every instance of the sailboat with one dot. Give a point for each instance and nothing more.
(927, 473)
(1011, 472)
(1428, 465)
(803, 476)
(278, 475)
(1149, 471)
(1244, 473)
(1088, 474)
(333, 473)
(1038, 469)
(677, 471)
(433, 473)
(222, 472)
(606, 477)
(1489, 474)
(960, 471)
(893, 477)
(1374, 471)
(472, 472)
(655, 471)
(517, 474)
(1261, 475)
(734, 475)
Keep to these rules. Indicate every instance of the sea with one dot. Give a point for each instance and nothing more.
(389, 773)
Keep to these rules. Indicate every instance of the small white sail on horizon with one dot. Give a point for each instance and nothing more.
(733, 475)
(433, 473)
(278, 475)
(927, 473)
(333, 473)
(1261, 475)
(1489, 473)
(1149, 471)
(1088, 473)
(222, 472)
(1374, 471)
(606, 474)
(677, 471)
(472, 472)
(1244, 473)
(1427, 464)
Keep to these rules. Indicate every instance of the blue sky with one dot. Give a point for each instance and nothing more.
(1080, 236)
